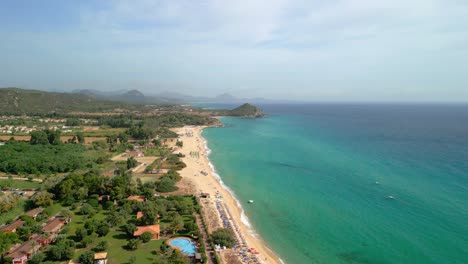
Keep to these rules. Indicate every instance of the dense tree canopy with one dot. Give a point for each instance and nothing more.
(21, 157)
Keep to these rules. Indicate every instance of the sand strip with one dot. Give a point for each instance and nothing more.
(200, 174)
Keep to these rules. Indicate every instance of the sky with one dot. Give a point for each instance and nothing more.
(308, 50)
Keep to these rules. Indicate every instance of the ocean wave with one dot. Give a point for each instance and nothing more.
(244, 219)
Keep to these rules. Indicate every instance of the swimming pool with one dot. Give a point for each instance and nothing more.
(184, 244)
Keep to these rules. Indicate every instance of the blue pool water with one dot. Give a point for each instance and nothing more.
(185, 245)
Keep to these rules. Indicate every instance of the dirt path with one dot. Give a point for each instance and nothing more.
(208, 250)
(22, 179)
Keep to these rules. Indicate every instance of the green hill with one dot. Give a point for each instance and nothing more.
(246, 110)
(20, 101)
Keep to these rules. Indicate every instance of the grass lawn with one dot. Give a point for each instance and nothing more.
(119, 254)
(21, 184)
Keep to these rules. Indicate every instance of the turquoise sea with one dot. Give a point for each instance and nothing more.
(321, 176)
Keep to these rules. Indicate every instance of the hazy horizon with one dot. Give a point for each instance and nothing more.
(338, 51)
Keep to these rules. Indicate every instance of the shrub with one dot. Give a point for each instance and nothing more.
(146, 237)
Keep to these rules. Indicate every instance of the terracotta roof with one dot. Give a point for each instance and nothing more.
(17, 223)
(153, 229)
(53, 225)
(139, 215)
(100, 255)
(24, 249)
(136, 198)
(34, 212)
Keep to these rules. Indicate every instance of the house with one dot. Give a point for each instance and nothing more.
(198, 257)
(153, 229)
(13, 226)
(100, 258)
(54, 226)
(42, 240)
(34, 212)
(139, 215)
(137, 198)
(103, 198)
(20, 254)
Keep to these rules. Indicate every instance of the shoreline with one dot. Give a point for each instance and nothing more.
(213, 208)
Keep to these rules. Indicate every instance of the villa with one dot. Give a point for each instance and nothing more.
(137, 198)
(153, 229)
(13, 226)
(100, 258)
(34, 212)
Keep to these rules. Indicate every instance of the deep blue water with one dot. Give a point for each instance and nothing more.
(312, 171)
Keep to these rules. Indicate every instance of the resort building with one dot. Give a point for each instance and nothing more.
(21, 253)
(54, 226)
(13, 226)
(136, 198)
(139, 215)
(100, 258)
(34, 212)
(153, 229)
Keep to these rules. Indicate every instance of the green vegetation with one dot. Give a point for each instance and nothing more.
(246, 110)
(16, 101)
(23, 158)
(20, 184)
(223, 237)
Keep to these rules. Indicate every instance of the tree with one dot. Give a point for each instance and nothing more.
(177, 258)
(86, 209)
(166, 184)
(179, 143)
(177, 224)
(102, 229)
(39, 137)
(146, 237)
(101, 246)
(37, 258)
(130, 229)
(81, 233)
(80, 137)
(43, 198)
(123, 138)
(86, 258)
(133, 244)
(223, 237)
(53, 136)
(131, 163)
(59, 252)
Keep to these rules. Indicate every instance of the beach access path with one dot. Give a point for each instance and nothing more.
(206, 182)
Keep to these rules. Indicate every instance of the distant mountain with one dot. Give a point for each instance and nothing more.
(133, 96)
(246, 110)
(169, 97)
(21, 101)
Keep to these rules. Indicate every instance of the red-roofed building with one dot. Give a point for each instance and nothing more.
(20, 254)
(34, 212)
(139, 215)
(136, 198)
(13, 226)
(153, 229)
(54, 226)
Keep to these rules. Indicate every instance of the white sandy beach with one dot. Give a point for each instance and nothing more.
(208, 183)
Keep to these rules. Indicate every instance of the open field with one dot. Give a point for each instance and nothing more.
(20, 184)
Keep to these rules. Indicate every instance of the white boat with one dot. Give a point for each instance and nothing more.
(390, 197)
(251, 201)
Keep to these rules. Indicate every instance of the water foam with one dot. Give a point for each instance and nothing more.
(244, 218)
